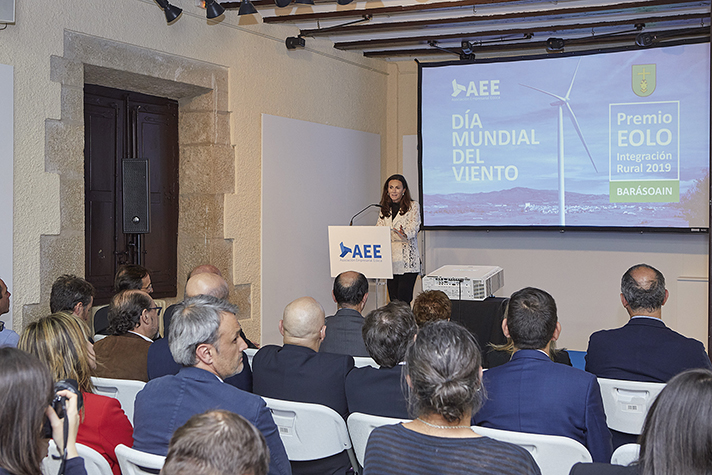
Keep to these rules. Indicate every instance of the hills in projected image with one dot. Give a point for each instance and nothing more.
(530, 207)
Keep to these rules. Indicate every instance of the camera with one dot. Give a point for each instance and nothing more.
(59, 403)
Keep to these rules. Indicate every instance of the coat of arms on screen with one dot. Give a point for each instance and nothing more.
(643, 79)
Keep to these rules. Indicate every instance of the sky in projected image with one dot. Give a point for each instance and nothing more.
(491, 128)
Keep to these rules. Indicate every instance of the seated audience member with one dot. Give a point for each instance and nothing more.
(26, 390)
(133, 321)
(72, 294)
(644, 349)
(128, 277)
(217, 443)
(343, 329)
(201, 287)
(444, 369)
(497, 355)
(205, 338)
(60, 341)
(7, 336)
(297, 372)
(387, 332)
(160, 360)
(677, 434)
(533, 394)
(431, 306)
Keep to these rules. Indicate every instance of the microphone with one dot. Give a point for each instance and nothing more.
(351, 223)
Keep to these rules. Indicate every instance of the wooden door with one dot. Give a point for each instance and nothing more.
(122, 124)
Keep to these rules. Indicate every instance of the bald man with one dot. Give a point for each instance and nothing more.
(344, 328)
(297, 371)
(160, 359)
(206, 279)
(644, 349)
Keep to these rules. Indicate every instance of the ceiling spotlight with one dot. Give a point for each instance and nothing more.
(282, 3)
(246, 8)
(466, 47)
(304, 2)
(555, 44)
(294, 42)
(467, 56)
(171, 11)
(344, 2)
(213, 9)
(644, 39)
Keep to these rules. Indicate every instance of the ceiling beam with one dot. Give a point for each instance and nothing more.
(464, 35)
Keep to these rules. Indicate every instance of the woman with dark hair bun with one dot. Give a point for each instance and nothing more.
(26, 390)
(443, 370)
(400, 213)
(677, 434)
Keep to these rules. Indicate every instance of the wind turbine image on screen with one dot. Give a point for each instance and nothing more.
(561, 103)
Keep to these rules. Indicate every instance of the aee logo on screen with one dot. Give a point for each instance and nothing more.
(361, 251)
(487, 87)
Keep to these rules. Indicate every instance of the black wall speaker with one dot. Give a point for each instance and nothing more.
(137, 195)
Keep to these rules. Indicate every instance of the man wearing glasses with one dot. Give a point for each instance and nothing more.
(133, 324)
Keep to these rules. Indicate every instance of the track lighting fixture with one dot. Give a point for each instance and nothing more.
(171, 11)
(644, 39)
(304, 2)
(213, 9)
(246, 8)
(555, 44)
(294, 42)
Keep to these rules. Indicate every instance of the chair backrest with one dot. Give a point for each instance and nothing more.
(361, 361)
(134, 462)
(250, 352)
(124, 390)
(626, 403)
(554, 454)
(94, 462)
(626, 454)
(309, 431)
(360, 426)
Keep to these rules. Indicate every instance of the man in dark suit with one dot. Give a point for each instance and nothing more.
(387, 331)
(533, 394)
(343, 329)
(204, 338)
(133, 322)
(72, 294)
(297, 372)
(160, 360)
(644, 349)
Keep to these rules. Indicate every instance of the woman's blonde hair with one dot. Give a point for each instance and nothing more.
(60, 341)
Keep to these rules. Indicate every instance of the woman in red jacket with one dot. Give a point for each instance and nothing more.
(61, 341)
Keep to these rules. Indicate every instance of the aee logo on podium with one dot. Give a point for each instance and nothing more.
(360, 252)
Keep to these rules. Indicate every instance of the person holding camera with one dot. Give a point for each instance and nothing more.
(26, 391)
(60, 341)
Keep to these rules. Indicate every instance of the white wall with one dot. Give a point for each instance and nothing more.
(6, 167)
(313, 176)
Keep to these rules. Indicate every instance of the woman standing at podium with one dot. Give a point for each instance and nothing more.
(402, 215)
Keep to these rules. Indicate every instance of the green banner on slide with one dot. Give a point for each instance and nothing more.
(645, 191)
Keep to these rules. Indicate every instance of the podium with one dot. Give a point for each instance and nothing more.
(364, 249)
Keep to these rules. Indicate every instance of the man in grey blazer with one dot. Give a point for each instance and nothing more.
(343, 329)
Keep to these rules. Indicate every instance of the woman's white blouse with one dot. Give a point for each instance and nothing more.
(406, 257)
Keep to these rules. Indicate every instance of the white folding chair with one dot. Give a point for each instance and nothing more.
(361, 361)
(134, 462)
(94, 462)
(310, 431)
(626, 403)
(360, 426)
(625, 454)
(554, 454)
(124, 390)
(250, 352)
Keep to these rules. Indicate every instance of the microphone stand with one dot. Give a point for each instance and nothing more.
(351, 223)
